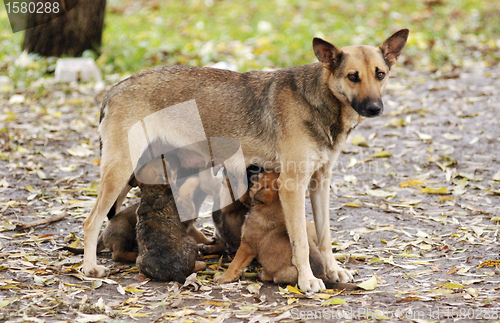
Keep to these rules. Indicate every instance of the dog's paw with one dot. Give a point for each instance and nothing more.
(337, 274)
(95, 270)
(310, 283)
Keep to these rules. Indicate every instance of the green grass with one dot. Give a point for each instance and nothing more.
(444, 34)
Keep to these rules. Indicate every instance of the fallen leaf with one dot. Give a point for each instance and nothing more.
(490, 263)
(333, 301)
(360, 141)
(452, 286)
(380, 193)
(294, 289)
(450, 136)
(472, 291)
(445, 198)
(382, 153)
(414, 182)
(253, 288)
(369, 284)
(424, 136)
(428, 190)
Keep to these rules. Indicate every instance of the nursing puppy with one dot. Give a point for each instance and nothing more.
(264, 236)
(166, 252)
(229, 219)
(118, 237)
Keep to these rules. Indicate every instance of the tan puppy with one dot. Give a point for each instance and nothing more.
(264, 236)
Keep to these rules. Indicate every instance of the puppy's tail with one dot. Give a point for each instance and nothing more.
(80, 251)
(318, 269)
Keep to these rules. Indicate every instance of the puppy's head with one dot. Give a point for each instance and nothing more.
(265, 190)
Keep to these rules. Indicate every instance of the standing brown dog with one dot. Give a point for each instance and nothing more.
(296, 119)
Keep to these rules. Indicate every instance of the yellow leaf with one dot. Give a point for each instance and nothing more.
(281, 289)
(360, 141)
(452, 286)
(352, 204)
(132, 289)
(383, 240)
(414, 182)
(382, 153)
(445, 198)
(333, 301)
(441, 291)
(138, 314)
(75, 244)
(214, 303)
(11, 116)
(489, 263)
(323, 296)
(428, 190)
(294, 289)
(30, 189)
(369, 284)
(409, 255)
(495, 218)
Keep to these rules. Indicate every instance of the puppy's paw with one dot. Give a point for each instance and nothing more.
(337, 274)
(309, 283)
(94, 270)
(224, 278)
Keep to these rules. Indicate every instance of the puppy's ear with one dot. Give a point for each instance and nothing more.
(393, 46)
(264, 196)
(327, 54)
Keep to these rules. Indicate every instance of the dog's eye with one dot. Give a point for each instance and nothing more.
(380, 76)
(353, 77)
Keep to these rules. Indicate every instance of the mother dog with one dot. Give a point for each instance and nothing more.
(296, 119)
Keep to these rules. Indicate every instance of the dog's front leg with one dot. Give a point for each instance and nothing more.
(292, 193)
(320, 200)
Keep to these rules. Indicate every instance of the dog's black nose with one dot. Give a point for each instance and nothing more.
(375, 108)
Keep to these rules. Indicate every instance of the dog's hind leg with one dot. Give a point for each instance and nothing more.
(114, 179)
(320, 201)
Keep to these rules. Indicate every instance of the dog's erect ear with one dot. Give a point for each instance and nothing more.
(393, 46)
(327, 54)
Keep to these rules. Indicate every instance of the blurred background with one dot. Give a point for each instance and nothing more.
(444, 34)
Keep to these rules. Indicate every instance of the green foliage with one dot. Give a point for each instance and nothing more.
(257, 34)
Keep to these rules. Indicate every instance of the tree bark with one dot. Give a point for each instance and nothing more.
(79, 29)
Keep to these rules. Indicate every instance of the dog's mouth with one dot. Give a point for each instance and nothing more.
(368, 107)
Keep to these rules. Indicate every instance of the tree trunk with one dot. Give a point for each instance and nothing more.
(79, 29)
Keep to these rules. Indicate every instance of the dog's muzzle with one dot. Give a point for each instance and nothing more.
(368, 107)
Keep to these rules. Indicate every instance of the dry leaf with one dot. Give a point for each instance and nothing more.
(333, 301)
(428, 190)
(369, 284)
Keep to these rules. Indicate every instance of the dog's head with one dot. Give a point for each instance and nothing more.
(264, 191)
(357, 75)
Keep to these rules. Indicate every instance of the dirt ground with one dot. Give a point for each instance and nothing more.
(415, 204)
